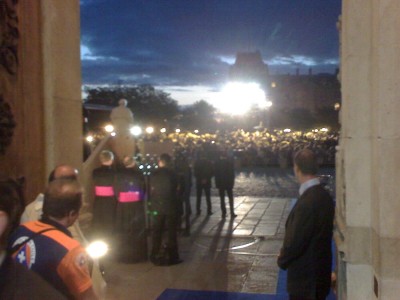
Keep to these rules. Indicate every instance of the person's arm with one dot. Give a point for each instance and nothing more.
(74, 271)
(298, 234)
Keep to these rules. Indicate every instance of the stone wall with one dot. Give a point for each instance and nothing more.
(44, 92)
(369, 156)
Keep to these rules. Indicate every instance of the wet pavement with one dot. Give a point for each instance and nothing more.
(234, 255)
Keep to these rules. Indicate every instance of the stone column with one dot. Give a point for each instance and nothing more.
(369, 147)
(62, 82)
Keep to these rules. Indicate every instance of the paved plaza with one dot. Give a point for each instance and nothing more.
(234, 255)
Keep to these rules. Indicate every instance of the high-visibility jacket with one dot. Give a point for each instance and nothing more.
(54, 255)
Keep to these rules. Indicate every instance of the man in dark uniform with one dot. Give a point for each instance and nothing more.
(164, 205)
(130, 219)
(184, 173)
(105, 201)
(224, 181)
(203, 171)
(306, 252)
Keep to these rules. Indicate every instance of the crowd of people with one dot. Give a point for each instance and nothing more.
(261, 148)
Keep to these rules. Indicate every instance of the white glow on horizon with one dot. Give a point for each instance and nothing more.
(87, 54)
(292, 60)
(149, 130)
(230, 60)
(187, 95)
(237, 98)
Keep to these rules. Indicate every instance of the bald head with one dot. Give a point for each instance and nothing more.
(63, 171)
(61, 197)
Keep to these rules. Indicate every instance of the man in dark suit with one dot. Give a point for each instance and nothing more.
(306, 251)
(166, 209)
(203, 172)
(224, 171)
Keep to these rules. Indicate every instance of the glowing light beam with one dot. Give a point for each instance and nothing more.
(237, 98)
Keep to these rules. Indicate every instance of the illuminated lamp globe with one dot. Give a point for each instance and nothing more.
(136, 130)
(149, 130)
(109, 128)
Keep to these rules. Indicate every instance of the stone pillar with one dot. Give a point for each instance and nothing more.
(45, 92)
(369, 156)
(62, 82)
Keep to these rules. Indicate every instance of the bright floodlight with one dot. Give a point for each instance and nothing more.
(287, 130)
(149, 130)
(113, 133)
(237, 98)
(109, 128)
(177, 130)
(324, 129)
(196, 131)
(268, 104)
(136, 130)
(97, 249)
(90, 138)
(163, 130)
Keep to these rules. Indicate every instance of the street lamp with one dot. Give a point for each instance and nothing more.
(90, 138)
(136, 130)
(109, 128)
(150, 130)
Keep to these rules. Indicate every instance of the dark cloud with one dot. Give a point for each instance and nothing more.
(182, 42)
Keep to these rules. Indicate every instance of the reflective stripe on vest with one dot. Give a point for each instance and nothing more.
(129, 197)
(104, 191)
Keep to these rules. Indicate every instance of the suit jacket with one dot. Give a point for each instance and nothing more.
(203, 172)
(224, 171)
(306, 251)
(163, 192)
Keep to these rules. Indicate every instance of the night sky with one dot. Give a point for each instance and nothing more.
(185, 47)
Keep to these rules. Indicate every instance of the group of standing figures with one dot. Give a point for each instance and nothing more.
(124, 195)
